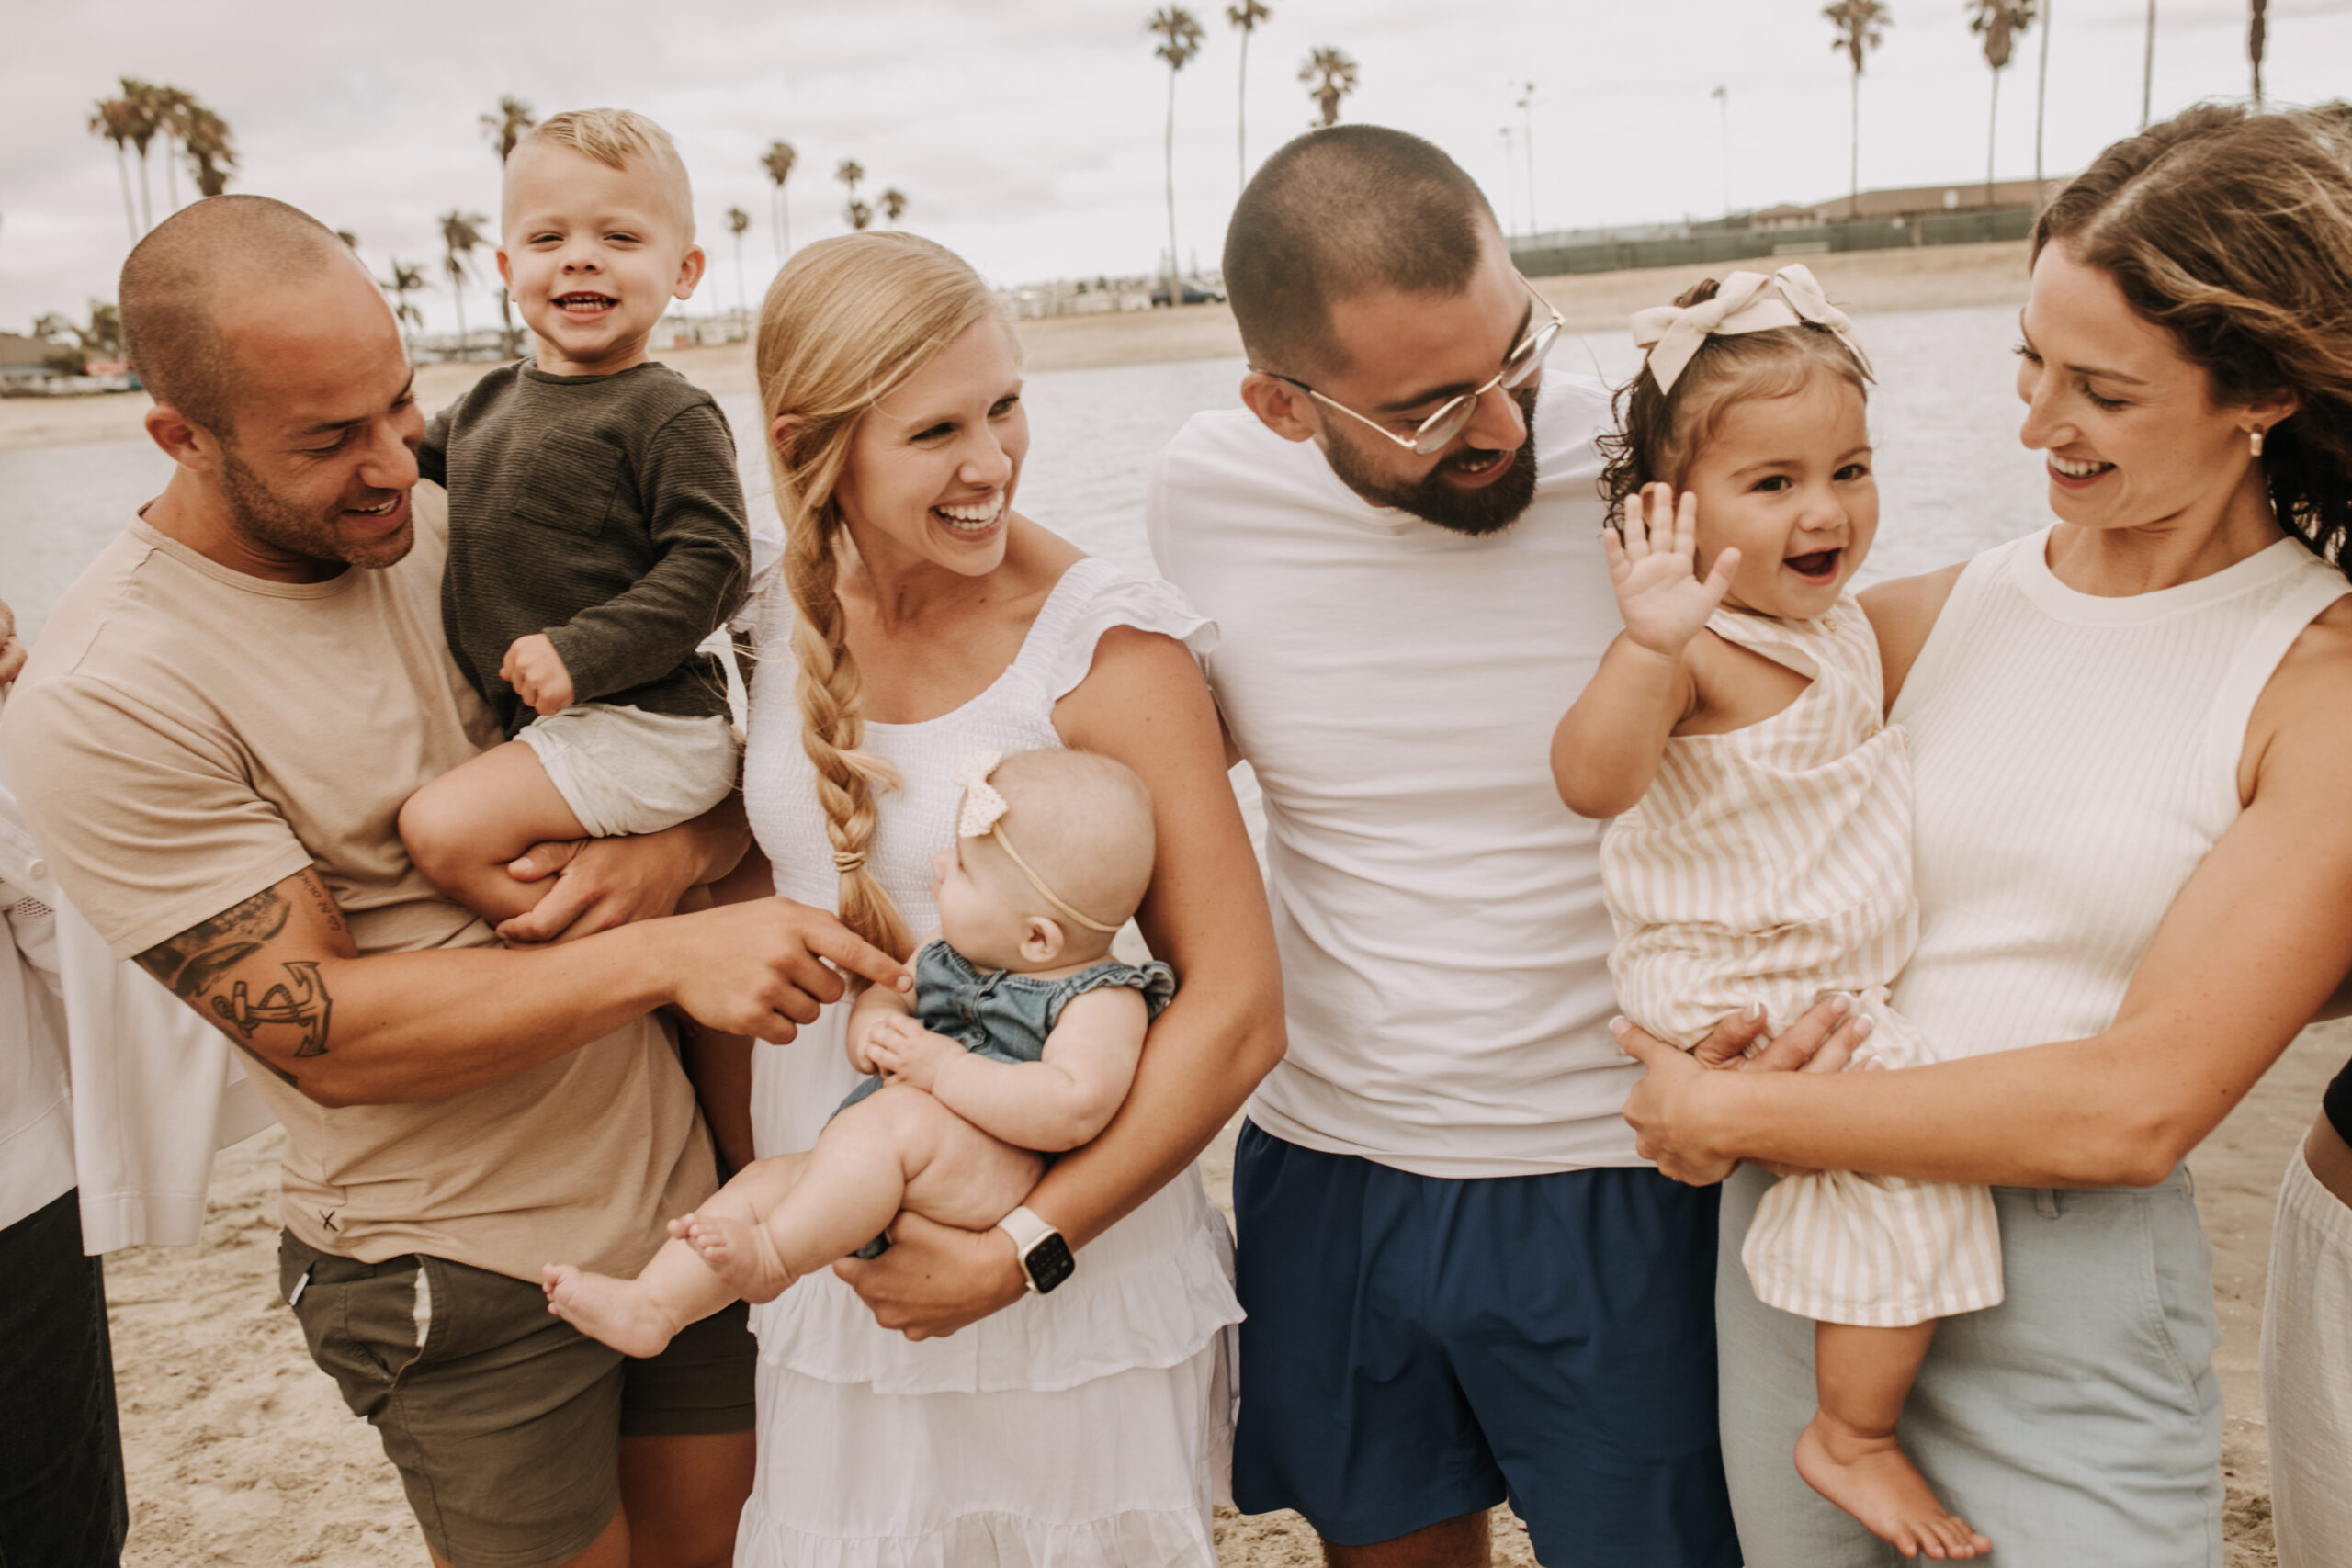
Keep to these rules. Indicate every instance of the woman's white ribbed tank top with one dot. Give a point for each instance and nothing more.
(2074, 759)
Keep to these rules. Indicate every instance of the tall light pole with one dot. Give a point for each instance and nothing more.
(1722, 94)
(1511, 184)
(1527, 137)
(2147, 68)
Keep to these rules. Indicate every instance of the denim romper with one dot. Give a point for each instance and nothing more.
(1004, 1016)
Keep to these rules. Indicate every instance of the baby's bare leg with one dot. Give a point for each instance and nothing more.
(899, 1149)
(464, 827)
(1848, 1452)
(639, 1316)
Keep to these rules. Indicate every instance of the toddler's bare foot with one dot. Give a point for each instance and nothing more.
(1871, 1479)
(615, 1311)
(739, 1252)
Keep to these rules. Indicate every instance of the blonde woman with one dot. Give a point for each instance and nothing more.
(966, 1398)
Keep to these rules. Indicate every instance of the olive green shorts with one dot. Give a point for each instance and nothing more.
(504, 1422)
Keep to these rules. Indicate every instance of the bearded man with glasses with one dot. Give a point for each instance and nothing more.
(1463, 1283)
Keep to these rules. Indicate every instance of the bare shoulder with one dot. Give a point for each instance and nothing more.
(2303, 721)
(1902, 613)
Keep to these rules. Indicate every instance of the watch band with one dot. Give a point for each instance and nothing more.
(1028, 1233)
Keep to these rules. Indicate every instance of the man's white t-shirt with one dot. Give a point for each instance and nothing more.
(1395, 685)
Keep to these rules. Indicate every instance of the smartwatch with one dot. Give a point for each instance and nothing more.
(1045, 1256)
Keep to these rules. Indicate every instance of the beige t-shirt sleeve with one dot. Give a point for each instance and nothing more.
(149, 821)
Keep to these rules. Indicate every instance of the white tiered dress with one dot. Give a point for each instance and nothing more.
(1089, 1427)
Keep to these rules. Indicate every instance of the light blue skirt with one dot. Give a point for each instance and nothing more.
(2078, 1424)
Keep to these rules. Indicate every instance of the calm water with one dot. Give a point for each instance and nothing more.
(1952, 477)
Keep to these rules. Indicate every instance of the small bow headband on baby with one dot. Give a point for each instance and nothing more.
(983, 810)
(1747, 302)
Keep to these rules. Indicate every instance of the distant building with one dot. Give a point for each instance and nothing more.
(27, 358)
(1909, 202)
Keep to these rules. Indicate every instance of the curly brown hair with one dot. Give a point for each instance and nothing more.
(2232, 230)
(1659, 432)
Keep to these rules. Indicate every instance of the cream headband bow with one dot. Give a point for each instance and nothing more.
(978, 817)
(1747, 302)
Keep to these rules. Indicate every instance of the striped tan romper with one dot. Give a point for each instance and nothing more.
(1772, 864)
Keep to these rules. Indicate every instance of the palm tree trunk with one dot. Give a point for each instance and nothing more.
(1241, 116)
(171, 174)
(1854, 142)
(2041, 96)
(1992, 136)
(130, 214)
(784, 207)
(457, 292)
(2148, 68)
(146, 196)
(1168, 160)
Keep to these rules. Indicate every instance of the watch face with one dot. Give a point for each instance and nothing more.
(1049, 1263)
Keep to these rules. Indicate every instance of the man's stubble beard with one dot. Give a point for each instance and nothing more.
(1489, 509)
(268, 519)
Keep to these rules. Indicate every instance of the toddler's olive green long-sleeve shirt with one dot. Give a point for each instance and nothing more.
(602, 510)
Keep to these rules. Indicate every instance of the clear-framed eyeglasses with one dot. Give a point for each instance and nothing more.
(1520, 367)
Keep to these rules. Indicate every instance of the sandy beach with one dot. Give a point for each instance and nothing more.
(1866, 282)
(242, 1454)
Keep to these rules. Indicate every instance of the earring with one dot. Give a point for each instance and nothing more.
(2256, 441)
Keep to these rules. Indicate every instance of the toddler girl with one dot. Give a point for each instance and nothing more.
(1022, 1036)
(1761, 852)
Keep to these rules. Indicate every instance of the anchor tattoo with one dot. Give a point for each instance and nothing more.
(306, 1005)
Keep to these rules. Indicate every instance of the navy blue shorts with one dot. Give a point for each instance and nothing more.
(1418, 1349)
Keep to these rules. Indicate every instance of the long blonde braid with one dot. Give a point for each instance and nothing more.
(846, 320)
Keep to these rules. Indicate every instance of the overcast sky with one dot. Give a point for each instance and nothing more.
(1027, 133)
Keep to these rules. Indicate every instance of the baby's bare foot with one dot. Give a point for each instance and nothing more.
(738, 1252)
(1871, 1479)
(617, 1312)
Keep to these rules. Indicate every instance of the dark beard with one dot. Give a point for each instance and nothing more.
(1486, 510)
(262, 515)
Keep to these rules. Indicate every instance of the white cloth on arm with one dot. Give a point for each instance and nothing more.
(1395, 685)
(1088, 1427)
(154, 1090)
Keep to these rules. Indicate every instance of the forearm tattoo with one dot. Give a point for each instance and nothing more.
(193, 960)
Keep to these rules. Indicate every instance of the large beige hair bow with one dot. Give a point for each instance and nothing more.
(1747, 302)
(979, 817)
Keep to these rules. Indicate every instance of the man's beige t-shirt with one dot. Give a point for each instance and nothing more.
(186, 736)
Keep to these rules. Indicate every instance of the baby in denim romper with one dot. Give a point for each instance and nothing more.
(1020, 1043)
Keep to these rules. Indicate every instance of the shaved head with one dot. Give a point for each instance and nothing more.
(214, 259)
(1341, 211)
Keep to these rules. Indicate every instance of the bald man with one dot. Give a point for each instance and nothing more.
(214, 739)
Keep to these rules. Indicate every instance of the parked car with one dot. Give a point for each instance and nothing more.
(1194, 293)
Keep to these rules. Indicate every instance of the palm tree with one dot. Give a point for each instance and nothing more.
(2258, 37)
(1245, 15)
(893, 203)
(140, 121)
(2148, 67)
(737, 221)
(2000, 22)
(461, 233)
(1331, 75)
(1180, 40)
(1861, 26)
(2041, 95)
(405, 280)
(778, 161)
(172, 107)
(210, 157)
(849, 173)
(506, 126)
(111, 119)
(350, 240)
